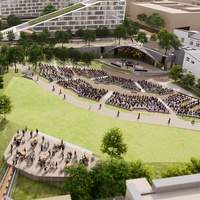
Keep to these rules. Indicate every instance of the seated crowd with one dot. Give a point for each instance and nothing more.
(131, 102)
(116, 80)
(155, 88)
(48, 71)
(66, 72)
(83, 89)
(183, 105)
(89, 73)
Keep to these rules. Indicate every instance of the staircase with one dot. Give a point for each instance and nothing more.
(8, 182)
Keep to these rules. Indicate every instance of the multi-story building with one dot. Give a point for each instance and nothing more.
(31, 8)
(188, 56)
(175, 14)
(89, 14)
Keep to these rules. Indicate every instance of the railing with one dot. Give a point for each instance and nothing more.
(3, 173)
(13, 183)
(55, 14)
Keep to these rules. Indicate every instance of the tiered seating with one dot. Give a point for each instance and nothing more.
(155, 88)
(84, 89)
(115, 80)
(183, 105)
(48, 71)
(130, 102)
(89, 73)
(66, 72)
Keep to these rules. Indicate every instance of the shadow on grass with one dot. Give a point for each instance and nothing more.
(3, 124)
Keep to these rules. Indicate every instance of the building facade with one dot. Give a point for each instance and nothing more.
(175, 14)
(188, 56)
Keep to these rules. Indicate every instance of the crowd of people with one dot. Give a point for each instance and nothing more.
(66, 72)
(130, 102)
(127, 84)
(43, 153)
(89, 73)
(155, 88)
(48, 71)
(183, 105)
(83, 89)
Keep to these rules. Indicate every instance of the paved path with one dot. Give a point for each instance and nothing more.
(153, 118)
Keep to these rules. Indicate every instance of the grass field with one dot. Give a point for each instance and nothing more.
(157, 146)
(40, 109)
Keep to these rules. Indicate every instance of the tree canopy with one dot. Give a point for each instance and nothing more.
(188, 79)
(62, 37)
(142, 17)
(155, 20)
(176, 72)
(5, 105)
(13, 20)
(120, 32)
(112, 143)
(89, 36)
(168, 40)
(142, 37)
(48, 9)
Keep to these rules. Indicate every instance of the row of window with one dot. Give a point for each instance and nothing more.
(188, 59)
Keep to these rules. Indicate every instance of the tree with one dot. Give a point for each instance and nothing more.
(48, 9)
(188, 79)
(89, 36)
(35, 55)
(133, 29)
(62, 54)
(74, 54)
(120, 32)
(62, 37)
(168, 40)
(48, 54)
(176, 72)
(15, 55)
(198, 84)
(79, 182)
(155, 20)
(1, 36)
(109, 178)
(142, 17)
(153, 37)
(3, 63)
(4, 60)
(142, 37)
(113, 144)
(13, 20)
(79, 33)
(42, 39)
(5, 105)
(11, 36)
(4, 25)
(1, 82)
(87, 57)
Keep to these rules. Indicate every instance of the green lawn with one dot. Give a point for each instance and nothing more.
(157, 146)
(33, 189)
(40, 109)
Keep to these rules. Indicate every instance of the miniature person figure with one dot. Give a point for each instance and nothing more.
(169, 120)
(138, 118)
(60, 92)
(118, 113)
(53, 88)
(192, 122)
(100, 106)
(64, 97)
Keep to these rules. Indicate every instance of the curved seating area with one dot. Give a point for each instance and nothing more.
(155, 88)
(131, 102)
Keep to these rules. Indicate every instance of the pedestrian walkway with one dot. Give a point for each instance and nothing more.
(153, 118)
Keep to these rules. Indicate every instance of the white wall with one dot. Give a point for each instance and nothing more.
(186, 41)
(191, 63)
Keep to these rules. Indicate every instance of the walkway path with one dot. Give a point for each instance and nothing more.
(153, 118)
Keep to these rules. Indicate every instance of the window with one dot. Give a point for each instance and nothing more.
(197, 44)
(182, 39)
(187, 59)
(192, 62)
(191, 42)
